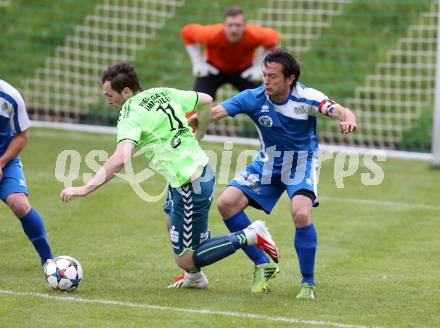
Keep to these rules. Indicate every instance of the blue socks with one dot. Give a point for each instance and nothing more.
(33, 226)
(305, 245)
(238, 222)
(217, 248)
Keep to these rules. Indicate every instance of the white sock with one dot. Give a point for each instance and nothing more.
(262, 265)
(251, 236)
(193, 276)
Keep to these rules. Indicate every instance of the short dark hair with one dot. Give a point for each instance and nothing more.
(233, 11)
(290, 63)
(121, 76)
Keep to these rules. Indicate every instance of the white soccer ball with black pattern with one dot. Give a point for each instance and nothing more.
(63, 273)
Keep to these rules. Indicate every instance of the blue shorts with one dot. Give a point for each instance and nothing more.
(188, 207)
(13, 180)
(264, 189)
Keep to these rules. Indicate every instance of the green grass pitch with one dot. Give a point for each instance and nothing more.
(378, 260)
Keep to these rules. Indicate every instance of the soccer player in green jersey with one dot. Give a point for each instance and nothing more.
(154, 122)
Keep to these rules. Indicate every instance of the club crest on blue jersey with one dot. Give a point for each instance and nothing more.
(266, 121)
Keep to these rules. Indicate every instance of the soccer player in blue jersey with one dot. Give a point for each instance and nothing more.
(285, 113)
(14, 125)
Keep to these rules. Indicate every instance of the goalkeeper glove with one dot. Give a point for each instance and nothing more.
(200, 67)
(254, 73)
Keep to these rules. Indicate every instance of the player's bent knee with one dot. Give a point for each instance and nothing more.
(302, 217)
(227, 208)
(19, 204)
(222, 204)
(20, 210)
(231, 202)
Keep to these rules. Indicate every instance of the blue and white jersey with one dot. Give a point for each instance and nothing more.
(286, 127)
(13, 115)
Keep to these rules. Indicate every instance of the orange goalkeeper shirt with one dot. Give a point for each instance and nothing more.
(226, 56)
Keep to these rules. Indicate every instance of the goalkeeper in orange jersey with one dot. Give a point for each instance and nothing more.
(234, 51)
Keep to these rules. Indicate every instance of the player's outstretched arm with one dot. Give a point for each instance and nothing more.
(113, 165)
(203, 110)
(218, 112)
(347, 120)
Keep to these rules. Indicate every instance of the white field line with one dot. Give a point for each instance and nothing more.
(179, 309)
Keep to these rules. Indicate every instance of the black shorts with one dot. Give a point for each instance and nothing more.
(211, 83)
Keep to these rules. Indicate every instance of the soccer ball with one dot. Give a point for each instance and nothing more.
(63, 273)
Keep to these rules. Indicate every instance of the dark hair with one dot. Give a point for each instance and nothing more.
(290, 63)
(233, 11)
(121, 76)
